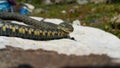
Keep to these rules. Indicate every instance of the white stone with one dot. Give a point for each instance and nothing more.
(89, 40)
(81, 2)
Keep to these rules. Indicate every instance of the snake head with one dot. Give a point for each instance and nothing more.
(67, 27)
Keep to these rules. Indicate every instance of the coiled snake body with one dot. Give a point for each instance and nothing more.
(37, 30)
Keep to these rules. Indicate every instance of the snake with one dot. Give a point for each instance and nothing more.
(32, 22)
(36, 30)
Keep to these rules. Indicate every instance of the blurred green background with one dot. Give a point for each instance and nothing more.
(90, 14)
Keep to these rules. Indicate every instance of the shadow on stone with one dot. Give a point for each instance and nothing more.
(24, 66)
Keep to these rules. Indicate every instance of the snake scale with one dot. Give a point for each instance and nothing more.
(37, 30)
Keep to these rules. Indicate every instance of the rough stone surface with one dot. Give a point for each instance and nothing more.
(81, 2)
(11, 57)
(98, 1)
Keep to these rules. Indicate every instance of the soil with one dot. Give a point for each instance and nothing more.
(11, 57)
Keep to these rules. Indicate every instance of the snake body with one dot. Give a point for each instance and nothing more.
(32, 22)
(36, 30)
(27, 32)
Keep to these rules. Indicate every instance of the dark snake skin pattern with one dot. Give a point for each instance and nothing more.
(37, 30)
